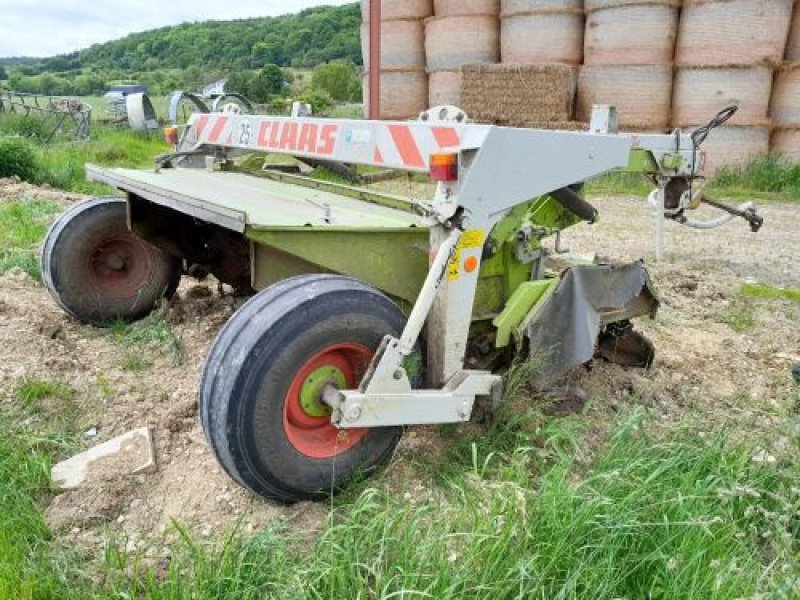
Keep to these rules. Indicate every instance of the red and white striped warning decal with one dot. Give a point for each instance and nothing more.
(400, 145)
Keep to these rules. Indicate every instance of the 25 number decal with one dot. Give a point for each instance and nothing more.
(245, 134)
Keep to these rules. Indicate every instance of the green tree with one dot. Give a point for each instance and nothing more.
(238, 82)
(338, 79)
(3, 73)
(320, 101)
(267, 83)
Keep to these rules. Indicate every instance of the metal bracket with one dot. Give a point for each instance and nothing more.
(451, 404)
(523, 251)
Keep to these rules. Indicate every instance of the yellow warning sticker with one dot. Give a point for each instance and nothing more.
(472, 238)
(454, 266)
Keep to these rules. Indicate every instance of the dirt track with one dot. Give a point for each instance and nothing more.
(702, 366)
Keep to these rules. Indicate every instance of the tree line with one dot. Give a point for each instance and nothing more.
(190, 55)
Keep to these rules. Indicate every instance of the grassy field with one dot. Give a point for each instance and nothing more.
(100, 110)
(62, 164)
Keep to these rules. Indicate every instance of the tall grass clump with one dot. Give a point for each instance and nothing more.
(769, 173)
(684, 517)
(22, 227)
(26, 153)
(63, 165)
(153, 332)
(35, 430)
(18, 159)
(28, 126)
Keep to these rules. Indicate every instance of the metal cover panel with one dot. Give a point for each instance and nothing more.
(258, 203)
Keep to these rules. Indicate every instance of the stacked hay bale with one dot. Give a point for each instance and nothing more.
(520, 95)
(541, 44)
(404, 83)
(541, 31)
(785, 105)
(461, 32)
(628, 49)
(726, 53)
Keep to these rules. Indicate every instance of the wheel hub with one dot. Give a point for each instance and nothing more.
(307, 421)
(119, 266)
(313, 387)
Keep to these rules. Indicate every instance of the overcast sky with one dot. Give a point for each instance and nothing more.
(47, 27)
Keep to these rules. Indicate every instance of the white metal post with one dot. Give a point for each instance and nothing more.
(660, 223)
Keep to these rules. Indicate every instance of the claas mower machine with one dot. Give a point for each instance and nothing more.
(370, 312)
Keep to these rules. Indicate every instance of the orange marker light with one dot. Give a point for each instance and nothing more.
(171, 135)
(470, 264)
(444, 167)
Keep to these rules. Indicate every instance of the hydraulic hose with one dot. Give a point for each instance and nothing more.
(569, 199)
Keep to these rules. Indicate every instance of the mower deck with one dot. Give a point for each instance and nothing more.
(238, 201)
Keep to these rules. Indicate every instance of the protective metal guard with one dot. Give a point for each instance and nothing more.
(563, 332)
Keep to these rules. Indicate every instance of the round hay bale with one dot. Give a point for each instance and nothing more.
(454, 8)
(454, 41)
(785, 106)
(444, 87)
(404, 93)
(793, 43)
(733, 32)
(402, 44)
(786, 142)
(515, 7)
(391, 9)
(641, 93)
(732, 146)
(699, 93)
(592, 5)
(640, 34)
(542, 37)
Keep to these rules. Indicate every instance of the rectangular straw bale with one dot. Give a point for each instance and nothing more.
(519, 95)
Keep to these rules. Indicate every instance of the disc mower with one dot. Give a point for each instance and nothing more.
(369, 311)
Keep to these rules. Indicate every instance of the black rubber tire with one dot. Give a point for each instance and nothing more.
(68, 263)
(249, 369)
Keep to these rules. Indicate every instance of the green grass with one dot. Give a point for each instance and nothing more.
(29, 563)
(739, 316)
(39, 426)
(140, 339)
(762, 290)
(766, 177)
(63, 165)
(682, 517)
(22, 226)
(34, 390)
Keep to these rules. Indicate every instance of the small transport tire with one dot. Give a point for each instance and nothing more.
(262, 380)
(98, 271)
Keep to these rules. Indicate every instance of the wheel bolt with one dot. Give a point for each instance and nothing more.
(353, 414)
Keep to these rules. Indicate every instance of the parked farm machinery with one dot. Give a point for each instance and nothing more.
(372, 311)
(67, 116)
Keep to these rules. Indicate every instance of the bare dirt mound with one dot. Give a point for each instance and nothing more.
(13, 188)
(702, 365)
(38, 341)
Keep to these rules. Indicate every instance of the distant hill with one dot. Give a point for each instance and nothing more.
(305, 39)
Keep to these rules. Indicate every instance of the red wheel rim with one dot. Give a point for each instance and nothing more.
(316, 436)
(119, 266)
